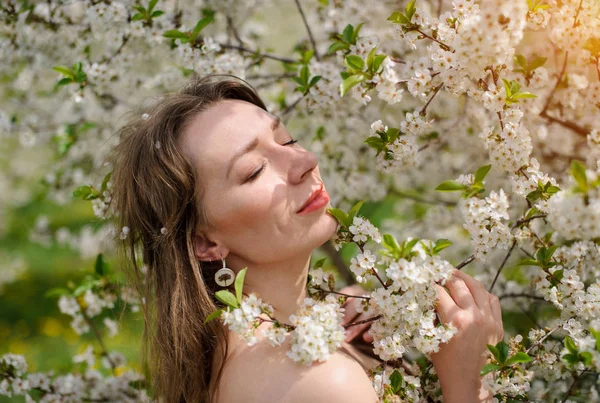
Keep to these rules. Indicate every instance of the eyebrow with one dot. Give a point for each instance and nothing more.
(275, 123)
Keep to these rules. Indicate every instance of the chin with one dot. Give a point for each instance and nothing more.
(329, 227)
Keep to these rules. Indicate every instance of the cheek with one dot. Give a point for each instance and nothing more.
(252, 210)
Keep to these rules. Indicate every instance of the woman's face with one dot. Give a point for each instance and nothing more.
(254, 184)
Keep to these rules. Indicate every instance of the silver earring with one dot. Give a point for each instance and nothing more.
(224, 276)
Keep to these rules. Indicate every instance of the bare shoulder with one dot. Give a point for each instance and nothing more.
(262, 373)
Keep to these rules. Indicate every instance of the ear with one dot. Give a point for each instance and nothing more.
(207, 250)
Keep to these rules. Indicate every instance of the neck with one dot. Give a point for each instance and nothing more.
(280, 284)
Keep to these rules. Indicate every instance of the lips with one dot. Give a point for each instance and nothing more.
(316, 193)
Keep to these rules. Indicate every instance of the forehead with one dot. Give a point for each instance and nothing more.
(215, 134)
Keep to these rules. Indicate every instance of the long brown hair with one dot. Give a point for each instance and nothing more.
(157, 195)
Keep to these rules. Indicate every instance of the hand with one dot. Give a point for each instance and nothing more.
(477, 315)
(351, 314)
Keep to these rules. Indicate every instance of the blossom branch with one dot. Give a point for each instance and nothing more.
(423, 111)
(310, 35)
(345, 295)
(465, 262)
(540, 341)
(405, 195)
(521, 295)
(264, 55)
(103, 349)
(502, 265)
(371, 319)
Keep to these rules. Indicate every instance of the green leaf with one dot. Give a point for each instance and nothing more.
(64, 71)
(528, 262)
(482, 172)
(487, 368)
(201, 25)
(354, 210)
(319, 263)
(213, 315)
(338, 45)
(57, 292)
(398, 18)
(521, 61)
(596, 335)
(537, 62)
(396, 381)
(440, 245)
(570, 345)
(174, 34)
(84, 192)
(105, 181)
(347, 33)
(157, 13)
(578, 173)
(377, 62)
(518, 358)
(227, 298)
(410, 9)
(313, 81)
(390, 242)
(586, 357)
(354, 62)
(304, 74)
(65, 81)
(151, 5)
(239, 284)
(99, 266)
(137, 17)
(494, 351)
(355, 33)
(502, 352)
(340, 215)
(450, 186)
(350, 82)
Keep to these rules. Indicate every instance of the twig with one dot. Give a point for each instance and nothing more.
(291, 107)
(420, 199)
(575, 379)
(435, 91)
(265, 55)
(234, 31)
(372, 319)
(521, 295)
(540, 341)
(502, 265)
(99, 338)
(345, 295)
(465, 262)
(526, 220)
(310, 35)
(338, 262)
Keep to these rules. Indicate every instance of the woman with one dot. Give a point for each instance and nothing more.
(208, 177)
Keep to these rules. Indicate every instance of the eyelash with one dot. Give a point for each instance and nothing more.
(255, 174)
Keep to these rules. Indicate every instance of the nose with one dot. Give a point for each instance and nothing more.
(303, 163)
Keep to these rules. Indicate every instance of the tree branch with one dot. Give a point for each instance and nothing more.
(502, 265)
(310, 35)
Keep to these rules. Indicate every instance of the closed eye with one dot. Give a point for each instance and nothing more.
(258, 171)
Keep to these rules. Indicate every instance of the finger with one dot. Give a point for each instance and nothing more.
(445, 305)
(356, 330)
(479, 293)
(460, 292)
(368, 337)
(497, 315)
(350, 311)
